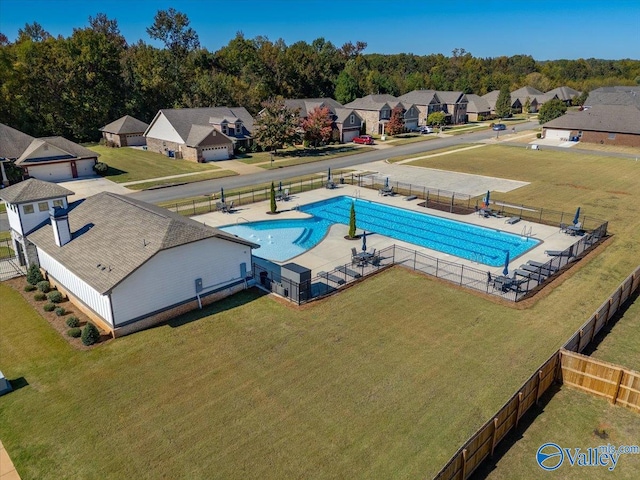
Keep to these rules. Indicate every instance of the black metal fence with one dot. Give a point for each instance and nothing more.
(9, 265)
(520, 285)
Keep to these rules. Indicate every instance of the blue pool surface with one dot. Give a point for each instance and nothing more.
(281, 240)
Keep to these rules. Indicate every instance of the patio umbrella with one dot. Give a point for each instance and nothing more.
(364, 241)
(222, 195)
(280, 186)
(386, 182)
(486, 200)
(505, 271)
(329, 174)
(576, 219)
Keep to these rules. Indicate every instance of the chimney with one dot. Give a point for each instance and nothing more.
(60, 223)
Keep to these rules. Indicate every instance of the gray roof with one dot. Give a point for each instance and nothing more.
(198, 134)
(13, 142)
(620, 95)
(114, 235)
(492, 98)
(182, 119)
(124, 125)
(451, 98)
(477, 104)
(32, 190)
(601, 118)
(564, 93)
(343, 113)
(374, 102)
(421, 97)
(306, 105)
(525, 92)
(73, 149)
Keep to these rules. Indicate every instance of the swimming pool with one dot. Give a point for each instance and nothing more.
(281, 240)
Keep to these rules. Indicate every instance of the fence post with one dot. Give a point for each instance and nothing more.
(493, 437)
(452, 200)
(540, 221)
(461, 274)
(415, 254)
(617, 389)
(520, 395)
(464, 463)
(194, 206)
(538, 386)
(436, 268)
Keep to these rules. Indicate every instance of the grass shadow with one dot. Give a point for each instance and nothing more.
(229, 303)
(114, 172)
(18, 383)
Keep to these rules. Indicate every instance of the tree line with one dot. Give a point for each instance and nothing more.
(74, 85)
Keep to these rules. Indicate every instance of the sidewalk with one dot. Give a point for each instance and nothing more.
(7, 470)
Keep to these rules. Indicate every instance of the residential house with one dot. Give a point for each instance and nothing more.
(618, 95)
(426, 101)
(127, 131)
(564, 93)
(477, 108)
(454, 104)
(602, 124)
(54, 159)
(375, 111)
(199, 134)
(346, 121)
(28, 204)
(128, 264)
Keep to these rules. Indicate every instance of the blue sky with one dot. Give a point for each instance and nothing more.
(546, 30)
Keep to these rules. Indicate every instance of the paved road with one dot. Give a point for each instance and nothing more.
(210, 186)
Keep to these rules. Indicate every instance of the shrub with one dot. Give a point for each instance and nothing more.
(34, 275)
(60, 311)
(73, 321)
(29, 288)
(48, 307)
(74, 332)
(40, 297)
(538, 135)
(90, 334)
(44, 286)
(55, 296)
(101, 168)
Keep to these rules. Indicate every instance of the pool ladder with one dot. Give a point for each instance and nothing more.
(241, 218)
(526, 234)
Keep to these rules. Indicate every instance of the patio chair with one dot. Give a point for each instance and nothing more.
(230, 207)
(219, 207)
(354, 255)
(285, 195)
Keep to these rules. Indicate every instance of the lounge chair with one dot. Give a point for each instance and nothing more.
(348, 271)
(332, 278)
(512, 220)
(558, 253)
(544, 266)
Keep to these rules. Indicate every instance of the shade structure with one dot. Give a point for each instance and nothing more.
(222, 195)
(505, 271)
(576, 218)
(364, 241)
(329, 174)
(386, 182)
(486, 200)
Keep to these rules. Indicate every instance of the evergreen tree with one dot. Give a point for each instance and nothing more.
(90, 334)
(526, 108)
(503, 103)
(552, 109)
(352, 221)
(274, 207)
(34, 276)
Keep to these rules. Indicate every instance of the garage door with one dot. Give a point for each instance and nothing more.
(215, 153)
(412, 125)
(85, 168)
(54, 172)
(349, 135)
(136, 140)
(553, 134)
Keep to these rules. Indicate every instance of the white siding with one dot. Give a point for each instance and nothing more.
(85, 167)
(92, 298)
(47, 150)
(32, 220)
(14, 217)
(163, 130)
(51, 172)
(169, 277)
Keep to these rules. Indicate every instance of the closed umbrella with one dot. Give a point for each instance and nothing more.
(280, 186)
(329, 174)
(505, 271)
(386, 183)
(364, 241)
(222, 195)
(576, 219)
(486, 201)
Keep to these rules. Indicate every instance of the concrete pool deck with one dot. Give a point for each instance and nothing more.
(335, 250)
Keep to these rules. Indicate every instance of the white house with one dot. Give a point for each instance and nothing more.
(28, 204)
(129, 265)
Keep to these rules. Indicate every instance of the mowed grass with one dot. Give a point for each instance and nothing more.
(570, 420)
(131, 164)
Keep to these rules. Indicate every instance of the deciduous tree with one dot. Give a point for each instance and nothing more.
(276, 125)
(396, 121)
(317, 126)
(436, 118)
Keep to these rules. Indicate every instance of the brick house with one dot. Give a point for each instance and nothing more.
(375, 111)
(127, 131)
(346, 121)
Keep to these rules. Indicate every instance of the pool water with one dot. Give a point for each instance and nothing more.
(281, 240)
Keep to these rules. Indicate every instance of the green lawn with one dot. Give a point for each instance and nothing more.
(570, 420)
(130, 164)
(297, 155)
(380, 381)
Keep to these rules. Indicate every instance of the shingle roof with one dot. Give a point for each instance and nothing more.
(306, 105)
(343, 113)
(477, 104)
(373, 102)
(614, 96)
(73, 149)
(525, 92)
(601, 118)
(198, 134)
(32, 190)
(124, 125)
(564, 93)
(451, 98)
(420, 97)
(113, 235)
(13, 142)
(182, 119)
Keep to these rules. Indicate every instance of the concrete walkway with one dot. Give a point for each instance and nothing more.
(7, 470)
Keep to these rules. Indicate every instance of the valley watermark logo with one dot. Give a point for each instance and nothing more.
(551, 456)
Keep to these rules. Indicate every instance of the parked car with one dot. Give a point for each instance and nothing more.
(425, 129)
(499, 126)
(364, 139)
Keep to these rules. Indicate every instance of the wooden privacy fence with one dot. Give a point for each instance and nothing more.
(482, 443)
(617, 384)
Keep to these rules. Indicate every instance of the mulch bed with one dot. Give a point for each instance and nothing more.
(58, 323)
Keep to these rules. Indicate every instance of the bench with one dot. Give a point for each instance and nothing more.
(332, 277)
(348, 271)
(411, 197)
(512, 220)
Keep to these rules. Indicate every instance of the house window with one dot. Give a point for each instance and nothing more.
(58, 203)
(238, 128)
(43, 206)
(352, 119)
(612, 136)
(27, 208)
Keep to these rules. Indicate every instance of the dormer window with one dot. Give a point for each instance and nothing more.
(352, 119)
(225, 128)
(238, 128)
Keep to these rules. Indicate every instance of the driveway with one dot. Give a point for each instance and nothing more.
(88, 186)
